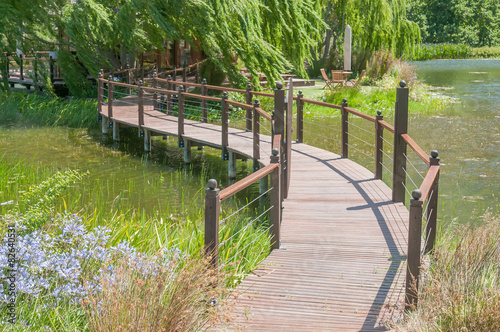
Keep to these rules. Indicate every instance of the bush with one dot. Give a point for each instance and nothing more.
(379, 64)
(486, 52)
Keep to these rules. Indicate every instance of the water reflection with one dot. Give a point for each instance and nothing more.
(468, 140)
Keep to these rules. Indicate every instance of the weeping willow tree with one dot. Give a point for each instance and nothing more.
(269, 36)
(375, 24)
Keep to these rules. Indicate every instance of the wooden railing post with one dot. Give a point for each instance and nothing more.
(414, 243)
(225, 126)
(155, 94)
(300, 118)
(256, 135)
(275, 200)
(51, 68)
(432, 206)
(288, 138)
(212, 212)
(7, 64)
(379, 145)
(279, 127)
(184, 75)
(110, 99)
(21, 67)
(175, 74)
(249, 97)
(400, 128)
(35, 69)
(129, 90)
(141, 109)
(100, 92)
(345, 129)
(169, 96)
(197, 77)
(180, 119)
(204, 91)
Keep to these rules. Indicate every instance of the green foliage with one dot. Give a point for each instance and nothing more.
(441, 51)
(212, 73)
(486, 52)
(471, 22)
(39, 201)
(378, 24)
(267, 35)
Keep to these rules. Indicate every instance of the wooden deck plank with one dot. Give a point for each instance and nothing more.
(342, 264)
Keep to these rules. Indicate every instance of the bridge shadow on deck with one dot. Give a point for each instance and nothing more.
(397, 256)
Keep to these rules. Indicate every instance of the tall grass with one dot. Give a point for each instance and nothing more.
(19, 108)
(441, 51)
(461, 290)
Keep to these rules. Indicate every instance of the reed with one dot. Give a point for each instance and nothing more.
(461, 287)
(441, 51)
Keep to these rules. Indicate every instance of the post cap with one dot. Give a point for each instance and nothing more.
(169, 77)
(344, 100)
(402, 84)
(416, 194)
(110, 77)
(224, 95)
(275, 152)
(434, 154)
(279, 85)
(141, 82)
(249, 86)
(379, 112)
(212, 184)
(256, 102)
(204, 81)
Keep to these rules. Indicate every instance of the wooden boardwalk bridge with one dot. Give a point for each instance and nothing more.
(346, 250)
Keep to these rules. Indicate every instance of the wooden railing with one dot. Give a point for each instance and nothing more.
(21, 67)
(282, 137)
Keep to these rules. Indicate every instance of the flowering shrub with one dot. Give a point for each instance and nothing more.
(107, 288)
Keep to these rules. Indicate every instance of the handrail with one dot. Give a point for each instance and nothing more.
(264, 113)
(125, 85)
(415, 147)
(238, 104)
(178, 82)
(159, 90)
(223, 88)
(429, 181)
(361, 115)
(201, 96)
(277, 142)
(387, 126)
(247, 181)
(320, 103)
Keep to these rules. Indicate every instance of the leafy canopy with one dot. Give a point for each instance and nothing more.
(267, 35)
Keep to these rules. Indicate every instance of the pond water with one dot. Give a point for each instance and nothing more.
(119, 177)
(468, 137)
